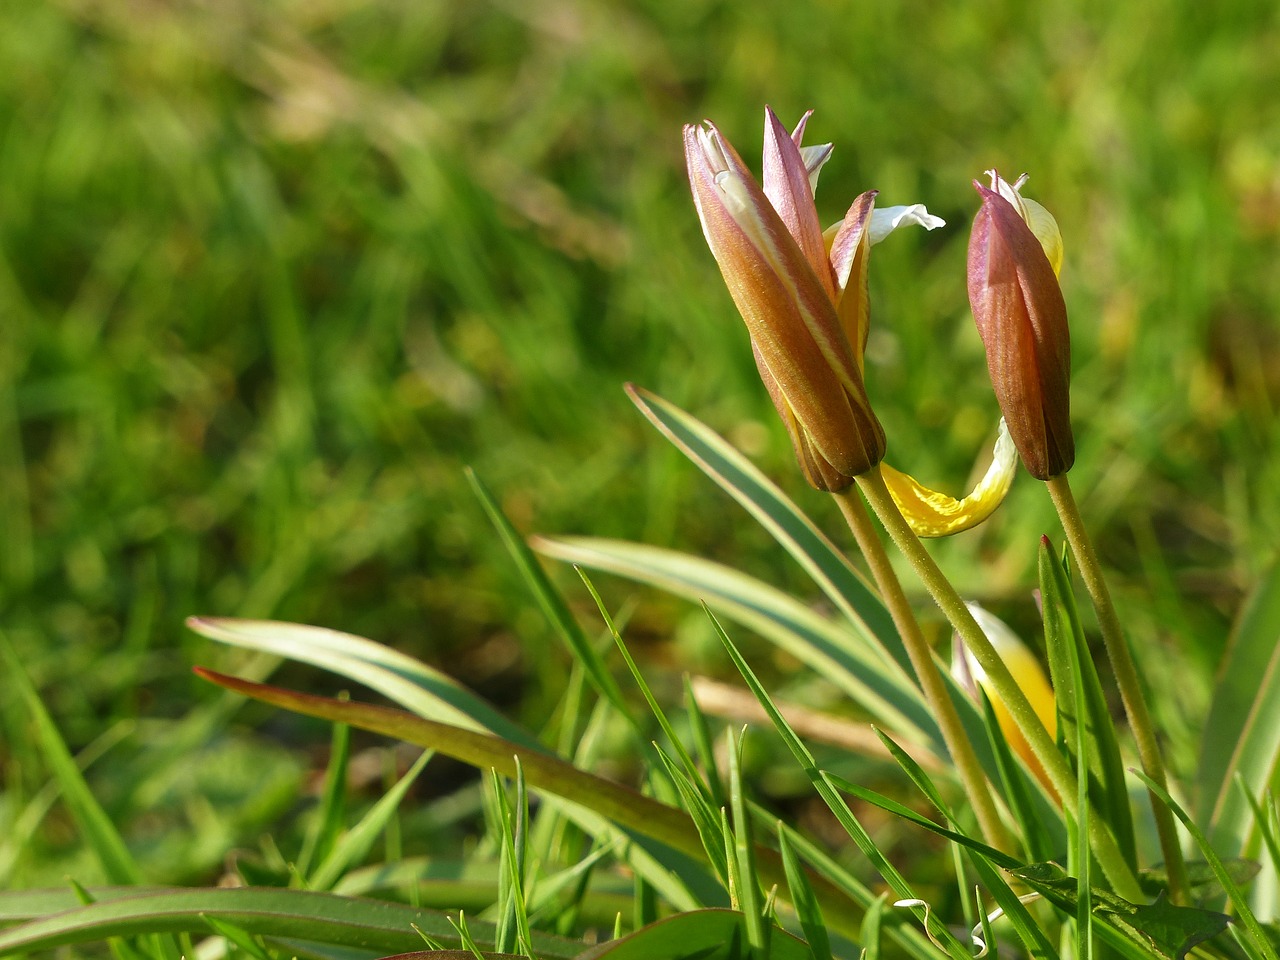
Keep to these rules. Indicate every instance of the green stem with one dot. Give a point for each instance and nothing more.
(1007, 690)
(1122, 666)
(928, 671)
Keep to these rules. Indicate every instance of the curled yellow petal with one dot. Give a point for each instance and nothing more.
(935, 514)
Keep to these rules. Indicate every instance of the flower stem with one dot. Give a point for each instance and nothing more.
(1063, 778)
(1122, 666)
(928, 671)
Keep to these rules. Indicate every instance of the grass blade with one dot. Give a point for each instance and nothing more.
(271, 912)
(549, 600)
(1262, 943)
(824, 645)
(1076, 683)
(100, 834)
(406, 681)
(359, 840)
(1242, 733)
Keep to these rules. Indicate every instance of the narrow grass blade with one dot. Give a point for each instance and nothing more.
(827, 789)
(513, 928)
(1242, 733)
(1239, 902)
(96, 827)
(1268, 820)
(321, 838)
(549, 600)
(718, 934)
(808, 912)
(1079, 696)
(259, 911)
(355, 845)
(404, 680)
(241, 938)
(702, 740)
(744, 848)
(890, 805)
(654, 707)
(872, 925)
(823, 644)
(704, 816)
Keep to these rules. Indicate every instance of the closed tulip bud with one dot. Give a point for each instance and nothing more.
(1014, 254)
(770, 249)
(803, 294)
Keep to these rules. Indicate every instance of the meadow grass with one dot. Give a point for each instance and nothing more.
(272, 275)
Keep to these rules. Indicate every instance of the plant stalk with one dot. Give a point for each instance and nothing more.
(1063, 778)
(1126, 674)
(928, 671)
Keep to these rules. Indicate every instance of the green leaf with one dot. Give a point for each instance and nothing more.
(806, 906)
(552, 603)
(824, 645)
(260, 911)
(1242, 733)
(1238, 900)
(397, 676)
(700, 935)
(1068, 655)
(1167, 930)
(822, 782)
(593, 801)
(93, 822)
(356, 843)
(738, 477)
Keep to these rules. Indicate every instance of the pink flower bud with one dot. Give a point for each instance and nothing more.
(769, 246)
(1022, 318)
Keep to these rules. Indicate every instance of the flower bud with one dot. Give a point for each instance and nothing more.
(1022, 319)
(773, 258)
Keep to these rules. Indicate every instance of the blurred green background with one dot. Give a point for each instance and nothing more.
(272, 273)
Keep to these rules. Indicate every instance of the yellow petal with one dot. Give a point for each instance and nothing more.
(1046, 230)
(1040, 220)
(934, 514)
(1027, 673)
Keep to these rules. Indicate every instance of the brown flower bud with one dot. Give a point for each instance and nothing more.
(1022, 318)
(771, 253)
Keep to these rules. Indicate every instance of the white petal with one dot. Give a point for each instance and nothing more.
(885, 221)
(814, 157)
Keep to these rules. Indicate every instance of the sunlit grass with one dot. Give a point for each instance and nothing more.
(270, 276)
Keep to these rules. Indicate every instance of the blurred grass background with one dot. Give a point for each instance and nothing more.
(272, 273)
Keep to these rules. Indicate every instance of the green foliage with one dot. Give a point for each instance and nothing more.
(272, 274)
